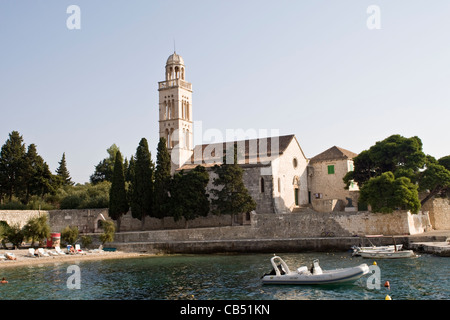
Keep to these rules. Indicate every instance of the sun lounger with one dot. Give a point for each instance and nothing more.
(100, 249)
(43, 253)
(78, 249)
(52, 253)
(31, 253)
(10, 256)
(2, 257)
(59, 251)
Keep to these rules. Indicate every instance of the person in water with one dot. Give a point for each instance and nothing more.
(3, 280)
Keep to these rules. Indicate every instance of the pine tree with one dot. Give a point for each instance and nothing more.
(63, 173)
(142, 184)
(118, 203)
(12, 157)
(233, 197)
(162, 180)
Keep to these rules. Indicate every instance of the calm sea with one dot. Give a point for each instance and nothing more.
(203, 277)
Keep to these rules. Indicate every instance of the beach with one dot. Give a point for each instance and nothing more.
(24, 259)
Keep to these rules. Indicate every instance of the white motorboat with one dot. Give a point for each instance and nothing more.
(357, 250)
(281, 274)
(388, 254)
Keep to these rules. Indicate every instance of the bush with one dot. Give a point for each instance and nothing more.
(108, 231)
(69, 235)
(37, 229)
(86, 241)
(15, 235)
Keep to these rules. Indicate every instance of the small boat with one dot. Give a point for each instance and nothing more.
(281, 274)
(388, 254)
(357, 250)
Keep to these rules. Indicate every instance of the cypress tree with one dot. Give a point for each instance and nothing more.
(162, 180)
(63, 173)
(118, 203)
(142, 184)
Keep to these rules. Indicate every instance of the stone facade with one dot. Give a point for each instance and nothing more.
(326, 187)
(439, 211)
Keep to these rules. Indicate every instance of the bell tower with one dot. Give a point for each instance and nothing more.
(175, 111)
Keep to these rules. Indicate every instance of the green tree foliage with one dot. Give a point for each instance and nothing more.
(12, 157)
(15, 235)
(403, 157)
(142, 183)
(63, 173)
(37, 229)
(118, 203)
(188, 197)
(232, 197)
(386, 193)
(109, 230)
(69, 235)
(105, 168)
(85, 196)
(399, 155)
(436, 179)
(162, 180)
(24, 174)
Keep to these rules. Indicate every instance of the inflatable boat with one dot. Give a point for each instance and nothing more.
(281, 274)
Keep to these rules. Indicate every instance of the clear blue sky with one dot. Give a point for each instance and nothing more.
(310, 68)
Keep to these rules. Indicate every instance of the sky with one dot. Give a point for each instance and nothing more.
(317, 69)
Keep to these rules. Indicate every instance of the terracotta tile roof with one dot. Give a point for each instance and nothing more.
(256, 151)
(334, 153)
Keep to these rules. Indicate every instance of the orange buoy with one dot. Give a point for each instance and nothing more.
(387, 284)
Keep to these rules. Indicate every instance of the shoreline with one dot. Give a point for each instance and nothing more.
(24, 260)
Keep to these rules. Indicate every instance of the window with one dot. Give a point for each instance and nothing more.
(296, 196)
(331, 169)
(262, 185)
(295, 163)
(279, 185)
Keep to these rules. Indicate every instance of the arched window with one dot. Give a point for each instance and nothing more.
(166, 111)
(171, 138)
(279, 185)
(261, 182)
(167, 138)
(172, 112)
(169, 110)
(187, 138)
(182, 73)
(177, 73)
(187, 110)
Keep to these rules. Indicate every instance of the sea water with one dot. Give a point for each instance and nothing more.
(214, 276)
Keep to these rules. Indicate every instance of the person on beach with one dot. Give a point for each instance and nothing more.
(3, 281)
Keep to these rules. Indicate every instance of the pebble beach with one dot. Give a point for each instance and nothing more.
(24, 259)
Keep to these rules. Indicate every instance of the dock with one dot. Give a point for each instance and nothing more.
(438, 248)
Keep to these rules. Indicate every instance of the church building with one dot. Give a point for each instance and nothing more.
(275, 168)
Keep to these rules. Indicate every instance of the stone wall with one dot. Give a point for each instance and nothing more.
(263, 226)
(342, 224)
(439, 211)
(20, 217)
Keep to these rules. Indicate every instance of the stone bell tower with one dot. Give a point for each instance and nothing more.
(175, 111)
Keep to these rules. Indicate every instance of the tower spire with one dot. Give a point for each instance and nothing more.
(174, 48)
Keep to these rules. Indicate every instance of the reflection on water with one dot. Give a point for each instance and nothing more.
(223, 277)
